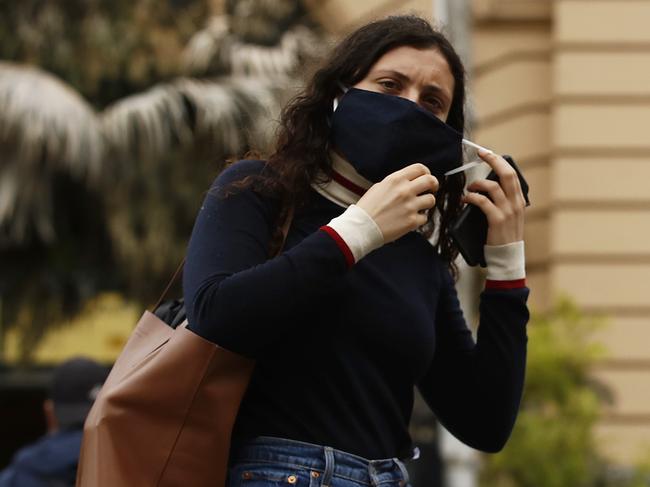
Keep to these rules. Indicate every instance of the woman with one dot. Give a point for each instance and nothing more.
(359, 307)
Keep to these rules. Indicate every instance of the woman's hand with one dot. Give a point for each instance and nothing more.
(504, 208)
(399, 202)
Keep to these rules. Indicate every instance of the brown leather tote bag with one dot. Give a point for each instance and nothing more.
(165, 414)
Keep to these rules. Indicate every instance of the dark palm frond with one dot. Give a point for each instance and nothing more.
(262, 22)
(46, 127)
(163, 148)
(269, 95)
(146, 124)
(215, 50)
(296, 46)
(224, 116)
(111, 196)
(160, 180)
(25, 205)
(200, 54)
(43, 120)
(235, 113)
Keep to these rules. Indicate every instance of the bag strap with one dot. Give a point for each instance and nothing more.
(172, 281)
(179, 270)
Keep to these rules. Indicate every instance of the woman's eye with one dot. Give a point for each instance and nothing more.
(433, 104)
(389, 84)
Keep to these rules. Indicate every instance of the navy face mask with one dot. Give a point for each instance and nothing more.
(380, 134)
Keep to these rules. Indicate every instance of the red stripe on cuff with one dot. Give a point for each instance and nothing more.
(515, 284)
(349, 258)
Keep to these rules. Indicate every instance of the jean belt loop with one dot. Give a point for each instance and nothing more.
(402, 468)
(372, 474)
(329, 467)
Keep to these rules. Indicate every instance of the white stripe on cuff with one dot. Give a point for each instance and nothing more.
(358, 230)
(505, 262)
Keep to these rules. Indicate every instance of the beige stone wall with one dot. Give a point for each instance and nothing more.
(564, 86)
(601, 222)
(511, 89)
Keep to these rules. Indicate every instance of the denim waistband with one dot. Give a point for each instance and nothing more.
(329, 462)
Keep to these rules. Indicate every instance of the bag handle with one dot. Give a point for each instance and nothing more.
(179, 270)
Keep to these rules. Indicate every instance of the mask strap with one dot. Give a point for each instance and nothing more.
(335, 102)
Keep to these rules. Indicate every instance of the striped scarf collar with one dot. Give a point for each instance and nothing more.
(346, 186)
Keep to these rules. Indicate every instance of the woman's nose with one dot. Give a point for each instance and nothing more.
(411, 94)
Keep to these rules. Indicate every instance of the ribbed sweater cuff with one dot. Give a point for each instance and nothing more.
(356, 233)
(506, 266)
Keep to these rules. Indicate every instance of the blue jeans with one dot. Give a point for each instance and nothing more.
(274, 462)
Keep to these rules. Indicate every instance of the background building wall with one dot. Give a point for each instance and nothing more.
(565, 87)
(600, 226)
(511, 89)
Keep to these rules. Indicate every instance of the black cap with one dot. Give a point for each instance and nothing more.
(75, 386)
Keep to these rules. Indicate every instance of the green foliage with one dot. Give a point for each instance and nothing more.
(552, 444)
(638, 476)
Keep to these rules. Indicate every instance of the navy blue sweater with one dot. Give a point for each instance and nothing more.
(339, 349)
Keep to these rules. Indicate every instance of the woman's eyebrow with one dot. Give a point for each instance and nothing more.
(393, 73)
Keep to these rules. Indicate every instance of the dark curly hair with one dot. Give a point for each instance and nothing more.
(301, 154)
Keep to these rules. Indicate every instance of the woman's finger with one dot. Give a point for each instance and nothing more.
(412, 172)
(508, 178)
(490, 210)
(425, 202)
(493, 189)
(425, 183)
(420, 219)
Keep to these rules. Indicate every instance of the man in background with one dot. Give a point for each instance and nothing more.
(52, 460)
